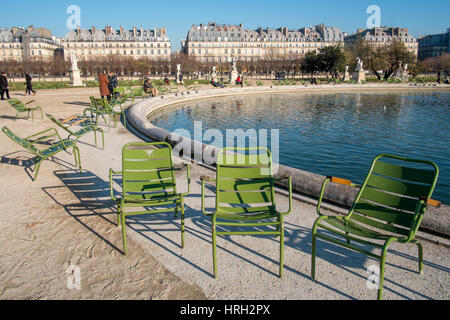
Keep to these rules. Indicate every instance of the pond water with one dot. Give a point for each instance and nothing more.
(335, 134)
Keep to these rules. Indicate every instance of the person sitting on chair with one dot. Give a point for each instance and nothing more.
(149, 88)
(216, 84)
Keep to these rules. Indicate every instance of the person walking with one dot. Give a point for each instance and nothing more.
(104, 90)
(4, 86)
(29, 89)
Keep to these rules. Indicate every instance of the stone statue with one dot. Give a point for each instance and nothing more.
(234, 73)
(359, 65)
(74, 61)
(233, 62)
(359, 75)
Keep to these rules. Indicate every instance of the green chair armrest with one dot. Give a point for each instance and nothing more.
(188, 166)
(205, 179)
(111, 189)
(289, 178)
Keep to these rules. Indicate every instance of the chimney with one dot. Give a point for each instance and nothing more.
(241, 26)
(163, 31)
(121, 31)
(93, 30)
(260, 31)
(134, 32)
(142, 31)
(108, 30)
(78, 30)
(286, 31)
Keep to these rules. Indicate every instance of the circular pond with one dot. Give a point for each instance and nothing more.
(333, 133)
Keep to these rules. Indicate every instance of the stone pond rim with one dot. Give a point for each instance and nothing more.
(306, 183)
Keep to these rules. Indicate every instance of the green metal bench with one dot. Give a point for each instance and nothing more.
(21, 107)
(389, 208)
(245, 197)
(44, 154)
(148, 182)
(87, 127)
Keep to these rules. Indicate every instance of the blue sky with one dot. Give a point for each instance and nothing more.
(421, 17)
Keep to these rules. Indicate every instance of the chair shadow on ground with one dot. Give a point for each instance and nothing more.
(299, 238)
(78, 103)
(93, 200)
(27, 160)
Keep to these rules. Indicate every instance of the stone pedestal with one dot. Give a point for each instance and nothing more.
(234, 74)
(346, 76)
(359, 76)
(75, 78)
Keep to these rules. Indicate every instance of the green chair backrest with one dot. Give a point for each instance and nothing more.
(18, 105)
(24, 143)
(392, 192)
(148, 173)
(245, 181)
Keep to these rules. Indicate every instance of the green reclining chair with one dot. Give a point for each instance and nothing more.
(148, 182)
(23, 107)
(42, 155)
(101, 107)
(245, 197)
(389, 208)
(88, 127)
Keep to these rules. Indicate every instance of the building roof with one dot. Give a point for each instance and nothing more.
(109, 34)
(237, 33)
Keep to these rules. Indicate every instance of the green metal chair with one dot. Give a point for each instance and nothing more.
(42, 155)
(96, 110)
(101, 107)
(148, 182)
(88, 127)
(245, 197)
(389, 208)
(23, 107)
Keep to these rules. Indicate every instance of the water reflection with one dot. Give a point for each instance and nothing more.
(336, 133)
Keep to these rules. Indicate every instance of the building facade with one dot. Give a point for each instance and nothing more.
(218, 43)
(379, 37)
(31, 43)
(434, 45)
(137, 43)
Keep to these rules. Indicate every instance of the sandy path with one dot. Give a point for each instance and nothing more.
(46, 227)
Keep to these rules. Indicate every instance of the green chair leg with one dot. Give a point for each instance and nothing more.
(420, 247)
(182, 225)
(36, 169)
(313, 257)
(124, 234)
(214, 245)
(281, 250)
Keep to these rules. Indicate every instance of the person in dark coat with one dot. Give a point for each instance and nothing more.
(29, 85)
(104, 90)
(4, 86)
(112, 83)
